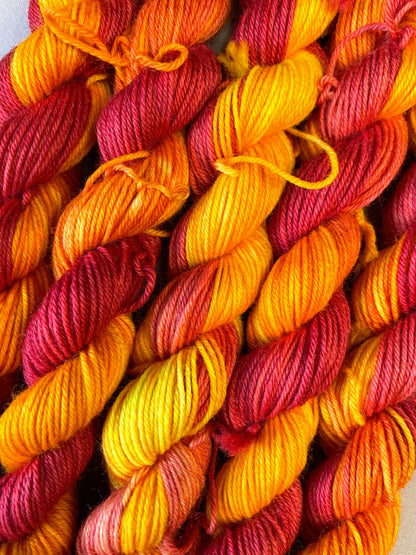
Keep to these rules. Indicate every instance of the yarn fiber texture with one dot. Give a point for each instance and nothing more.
(136, 519)
(277, 321)
(298, 330)
(106, 243)
(51, 95)
(157, 436)
(367, 415)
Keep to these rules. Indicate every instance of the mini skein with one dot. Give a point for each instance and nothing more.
(79, 342)
(156, 438)
(51, 95)
(368, 416)
(160, 104)
(298, 329)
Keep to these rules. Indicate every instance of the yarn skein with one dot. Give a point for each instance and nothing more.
(78, 344)
(298, 330)
(156, 440)
(368, 415)
(51, 95)
(111, 528)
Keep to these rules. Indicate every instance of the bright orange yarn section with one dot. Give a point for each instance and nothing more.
(59, 99)
(156, 438)
(368, 415)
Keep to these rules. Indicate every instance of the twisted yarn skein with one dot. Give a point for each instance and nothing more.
(51, 95)
(78, 344)
(368, 415)
(298, 329)
(156, 440)
(136, 519)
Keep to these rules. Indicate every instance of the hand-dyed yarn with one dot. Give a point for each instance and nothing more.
(136, 518)
(50, 97)
(298, 329)
(78, 344)
(155, 439)
(368, 416)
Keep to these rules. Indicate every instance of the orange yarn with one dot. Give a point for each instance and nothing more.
(224, 259)
(40, 71)
(368, 416)
(156, 440)
(78, 344)
(297, 331)
(367, 413)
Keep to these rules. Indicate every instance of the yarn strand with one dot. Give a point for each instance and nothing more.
(226, 165)
(145, 509)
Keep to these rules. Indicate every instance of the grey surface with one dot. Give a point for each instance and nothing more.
(14, 26)
(13, 29)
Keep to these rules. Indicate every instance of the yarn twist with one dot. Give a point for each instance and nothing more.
(368, 415)
(298, 330)
(143, 181)
(78, 343)
(156, 438)
(51, 95)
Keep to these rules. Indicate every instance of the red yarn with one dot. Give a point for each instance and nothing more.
(35, 142)
(296, 367)
(102, 283)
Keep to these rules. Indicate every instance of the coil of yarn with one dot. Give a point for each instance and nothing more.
(368, 415)
(51, 95)
(161, 103)
(156, 438)
(106, 244)
(298, 329)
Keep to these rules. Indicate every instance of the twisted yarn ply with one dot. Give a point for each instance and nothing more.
(156, 440)
(298, 329)
(50, 100)
(50, 97)
(368, 415)
(148, 115)
(78, 344)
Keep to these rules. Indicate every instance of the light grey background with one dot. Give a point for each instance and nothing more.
(13, 29)
(14, 26)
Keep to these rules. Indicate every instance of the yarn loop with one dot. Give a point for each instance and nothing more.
(391, 27)
(226, 165)
(115, 165)
(126, 62)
